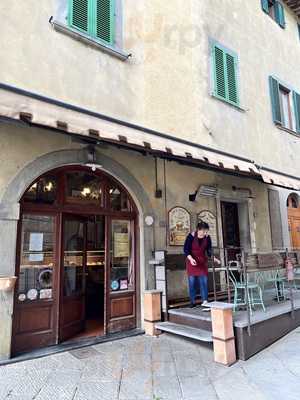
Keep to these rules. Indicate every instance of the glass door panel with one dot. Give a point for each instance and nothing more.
(35, 306)
(73, 257)
(121, 272)
(72, 313)
(121, 281)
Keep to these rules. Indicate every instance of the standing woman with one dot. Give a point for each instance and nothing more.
(198, 248)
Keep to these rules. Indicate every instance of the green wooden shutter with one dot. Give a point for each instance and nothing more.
(231, 78)
(79, 14)
(105, 17)
(219, 72)
(296, 97)
(279, 14)
(265, 6)
(274, 91)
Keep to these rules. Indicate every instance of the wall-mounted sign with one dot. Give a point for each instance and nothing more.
(208, 217)
(179, 226)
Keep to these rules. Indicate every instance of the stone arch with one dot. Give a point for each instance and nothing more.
(9, 216)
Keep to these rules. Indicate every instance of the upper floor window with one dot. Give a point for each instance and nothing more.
(275, 10)
(95, 18)
(285, 105)
(225, 74)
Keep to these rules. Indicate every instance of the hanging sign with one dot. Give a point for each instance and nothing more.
(179, 226)
(208, 217)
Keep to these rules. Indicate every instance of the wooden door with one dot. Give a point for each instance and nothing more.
(231, 230)
(35, 310)
(73, 270)
(121, 289)
(294, 227)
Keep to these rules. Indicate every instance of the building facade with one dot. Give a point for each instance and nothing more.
(122, 124)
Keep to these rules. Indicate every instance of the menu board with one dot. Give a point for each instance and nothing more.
(121, 245)
(208, 217)
(179, 226)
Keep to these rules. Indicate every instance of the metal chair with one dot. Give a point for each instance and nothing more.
(276, 279)
(241, 289)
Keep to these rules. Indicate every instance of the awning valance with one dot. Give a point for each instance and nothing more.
(276, 179)
(39, 110)
(50, 113)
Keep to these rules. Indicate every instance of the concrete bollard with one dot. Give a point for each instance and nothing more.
(152, 311)
(223, 334)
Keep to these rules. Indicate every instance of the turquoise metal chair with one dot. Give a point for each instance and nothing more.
(252, 290)
(276, 279)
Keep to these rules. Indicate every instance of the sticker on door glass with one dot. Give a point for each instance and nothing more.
(32, 294)
(114, 285)
(22, 297)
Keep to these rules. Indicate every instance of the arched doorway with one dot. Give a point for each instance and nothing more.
(76, 259)
(294, 220)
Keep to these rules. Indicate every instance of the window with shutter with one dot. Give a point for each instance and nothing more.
(275, 10)
(275, 100)
(296, 97)
(105, 20)
(279, 14)
(93, 17)
(225, 74)
(79, 14)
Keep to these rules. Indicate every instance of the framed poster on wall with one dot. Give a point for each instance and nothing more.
(208, 217)
(179, 225)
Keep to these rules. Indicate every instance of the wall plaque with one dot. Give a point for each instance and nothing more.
(179, 226)
(208, 217)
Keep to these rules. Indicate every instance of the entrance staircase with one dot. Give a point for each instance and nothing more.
(192, 323)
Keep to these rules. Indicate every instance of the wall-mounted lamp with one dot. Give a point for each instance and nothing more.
(204, 190)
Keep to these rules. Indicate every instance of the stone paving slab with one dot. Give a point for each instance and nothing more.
(164, 368)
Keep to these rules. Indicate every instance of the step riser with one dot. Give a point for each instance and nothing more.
(195, 323)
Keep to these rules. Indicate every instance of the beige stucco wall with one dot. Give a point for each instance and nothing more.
(166, 83)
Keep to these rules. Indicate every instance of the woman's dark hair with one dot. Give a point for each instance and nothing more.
(202, 226)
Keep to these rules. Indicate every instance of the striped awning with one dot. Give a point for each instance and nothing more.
(35, 109)
(20, 105)
(276, 179)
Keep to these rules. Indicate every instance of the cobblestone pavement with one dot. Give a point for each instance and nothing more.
(164, 368)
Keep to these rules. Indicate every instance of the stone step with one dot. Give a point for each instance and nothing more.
(185, 331)
(194, 317)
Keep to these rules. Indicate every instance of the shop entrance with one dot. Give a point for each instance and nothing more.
(82, 303)
(231, 230)
(294, 220)
(76, 260)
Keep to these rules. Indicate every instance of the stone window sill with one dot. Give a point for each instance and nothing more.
(283, 128)
(113, 51)
(239, 108)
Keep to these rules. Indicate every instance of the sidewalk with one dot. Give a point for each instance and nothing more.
(164, 368)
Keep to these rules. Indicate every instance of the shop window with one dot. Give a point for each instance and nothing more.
(43, 191)
(119, 200)
(37, 259)
(121, 274)
(82, 187)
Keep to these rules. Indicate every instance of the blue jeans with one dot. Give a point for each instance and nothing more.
(200, 281)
